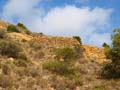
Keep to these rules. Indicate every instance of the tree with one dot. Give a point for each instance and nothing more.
(112, 70)
(24, 27)
(21, 25)
(105, 45)
(78, 39)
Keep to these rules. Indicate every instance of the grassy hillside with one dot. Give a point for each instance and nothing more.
(33, 61)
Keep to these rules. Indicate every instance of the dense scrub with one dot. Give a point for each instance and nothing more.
(112, 69)
(10, 49)
(12, 28)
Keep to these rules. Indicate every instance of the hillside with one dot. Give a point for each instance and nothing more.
(33, 61)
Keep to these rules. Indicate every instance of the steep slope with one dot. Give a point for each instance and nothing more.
(26, 69)
(90, 52)
(94, 53)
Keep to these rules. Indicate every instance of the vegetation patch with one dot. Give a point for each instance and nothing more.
(112, 69)
(24, 27)
(66, 53)
(58, 67)
(3, 34)
(12, 28)
(78, 39)
(34, 45)
(10, 49)
(99, 87)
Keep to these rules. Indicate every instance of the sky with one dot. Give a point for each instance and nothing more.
(92, 20)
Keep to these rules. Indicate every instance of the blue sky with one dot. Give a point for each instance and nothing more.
(92, 20)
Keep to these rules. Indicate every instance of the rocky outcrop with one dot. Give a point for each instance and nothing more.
(94, 53)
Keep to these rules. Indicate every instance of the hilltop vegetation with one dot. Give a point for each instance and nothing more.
(112, 69)
(34, 61)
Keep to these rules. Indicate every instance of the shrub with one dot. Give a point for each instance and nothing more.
(105, 45)
(2, 34)
(58, 68)
(10, 49)
(108, 71)
(112, 70)
(32, 71)
(34, 45)
(22, 55)
(99, 87)
(12, 28)
(21, 63)
(24, 27)
(78, 39)
(107, 52)
(21, 25)
(5, 81)
(6, 69)
(66, 53)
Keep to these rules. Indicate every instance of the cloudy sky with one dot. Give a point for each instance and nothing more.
(92, 20)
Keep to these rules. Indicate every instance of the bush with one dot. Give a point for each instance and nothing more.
(24, 27)
(5, 81)
(6, 69)
(21, 63)
(34, 45)
(112, 70)
(78, 39)
(99, 87)
(21, 25)
(2, 34)
(108, 71)
(10, 49)
(12, 28)
(105, 45)
(57, 67)
(66, 53)
(107, 52)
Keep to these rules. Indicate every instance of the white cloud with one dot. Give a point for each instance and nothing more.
(98, 39)
(65, 21)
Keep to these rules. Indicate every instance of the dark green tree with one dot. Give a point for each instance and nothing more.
(78, 39)
(112, 70)
(105, 45)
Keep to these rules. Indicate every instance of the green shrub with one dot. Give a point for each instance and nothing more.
(58, 68)
(105, 45)
(108, 71)
(66, 53)
(113, 53)
(107, 52)
(24, 27)
(10, 49)
(99, 87)
(2, 34)
(21, 25)
(12, 28)
(78, 39)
